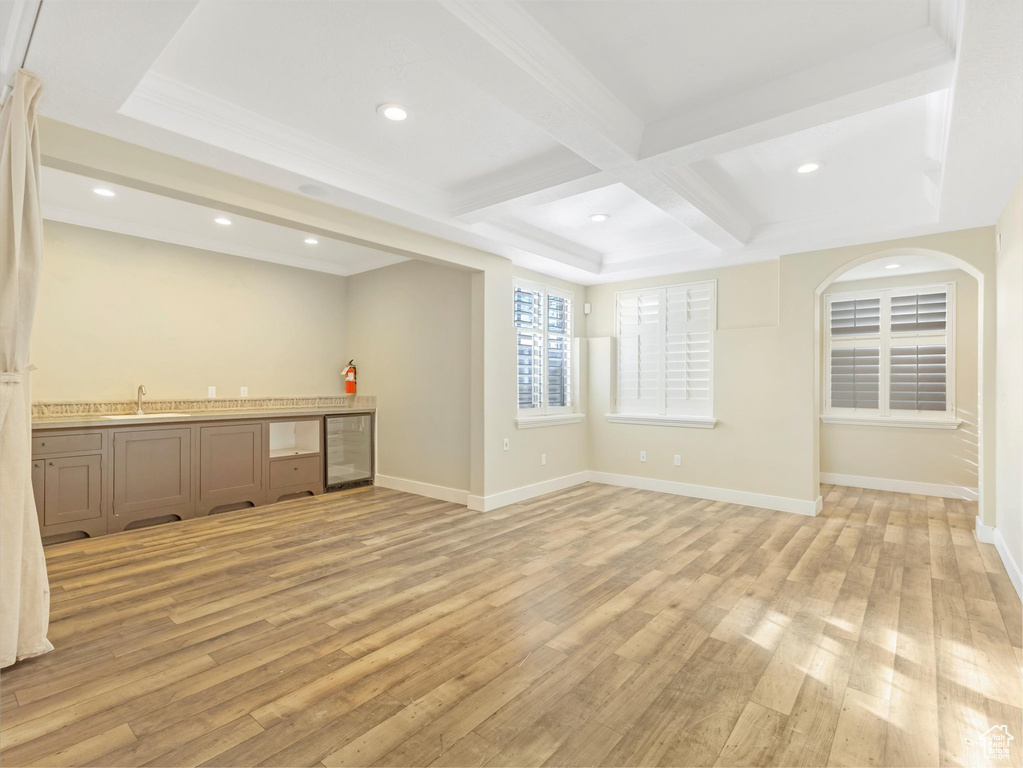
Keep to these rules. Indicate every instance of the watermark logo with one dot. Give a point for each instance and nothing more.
(996, 742)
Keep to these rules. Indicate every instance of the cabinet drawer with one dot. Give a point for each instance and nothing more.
(285, 472)
(81, 443)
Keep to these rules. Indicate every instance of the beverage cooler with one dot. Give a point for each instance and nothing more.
(349, 456)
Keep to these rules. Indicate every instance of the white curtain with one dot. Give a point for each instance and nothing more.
(24, 589)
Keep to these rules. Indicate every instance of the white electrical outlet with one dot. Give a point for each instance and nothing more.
(678, 460)
(212, 392)
(642, 455)
(245, 391)
(543, 459)
(507, 443)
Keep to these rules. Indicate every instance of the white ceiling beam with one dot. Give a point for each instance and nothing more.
(543, 243)
(915, 64)
(567, 101)
(482, 197)
(686, 197)
(504, 51)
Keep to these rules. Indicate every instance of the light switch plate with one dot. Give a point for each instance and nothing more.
(642, 455)
(507, 443)
(678, 460)
(543, 459)
(212, 392)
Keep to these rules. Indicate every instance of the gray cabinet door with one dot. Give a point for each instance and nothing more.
(39, 487)
(73, 490)
(152, 475)
(230, 465)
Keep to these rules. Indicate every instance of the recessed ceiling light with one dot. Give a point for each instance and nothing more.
(223, 221)
(104, 192)
(311, 241)
(600, 217)
(892, 266)
(394, 112)
(808, 167)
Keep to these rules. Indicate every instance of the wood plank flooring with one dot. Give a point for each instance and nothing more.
(594, 626)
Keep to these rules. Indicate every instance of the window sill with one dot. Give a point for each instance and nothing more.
(878, 421)
(529, 422)
(699, 422)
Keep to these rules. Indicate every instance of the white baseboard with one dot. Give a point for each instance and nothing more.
(526, 492)
(746, 498)
(985, 533)
(515, 495)
(988, 534)
(901, 486)
(441, 492)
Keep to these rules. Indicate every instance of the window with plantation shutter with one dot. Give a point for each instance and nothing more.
(665, 350)
(543, 341)
(889, 355)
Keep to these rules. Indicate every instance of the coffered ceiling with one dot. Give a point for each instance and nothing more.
(684, 122)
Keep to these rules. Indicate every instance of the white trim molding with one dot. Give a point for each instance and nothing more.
(901, 486)
(746, 498)
(440, 492)
(989, 534)
(515, 495)
(878, 421)
(530, 422)
(700, 422)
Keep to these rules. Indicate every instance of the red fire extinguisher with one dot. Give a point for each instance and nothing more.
(349, 375)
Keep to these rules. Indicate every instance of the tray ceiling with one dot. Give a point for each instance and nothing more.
(684, 122)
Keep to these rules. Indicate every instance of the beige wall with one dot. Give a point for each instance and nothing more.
(409, 333)
(566, 445)
(117, 311)
(766, 387)
(1009, 377)
(748, 450)
(940, 456)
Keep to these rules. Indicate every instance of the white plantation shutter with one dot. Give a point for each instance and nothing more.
(687, 348)
(529, 345)
(559, 351)
(919, 312)
(543, 340)
(888, 353)
(639, 351)
(856, 316)
(665, 350)
(918, 378)
(855, 377)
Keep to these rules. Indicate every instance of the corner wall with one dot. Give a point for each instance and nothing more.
(409, 331)
(1008, 518)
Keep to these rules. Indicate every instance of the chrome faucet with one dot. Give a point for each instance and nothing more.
(142, 391)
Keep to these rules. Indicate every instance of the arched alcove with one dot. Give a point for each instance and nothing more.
(941, 260)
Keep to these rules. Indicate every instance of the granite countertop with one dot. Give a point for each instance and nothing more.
(80, 415)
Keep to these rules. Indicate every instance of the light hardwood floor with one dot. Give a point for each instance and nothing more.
(594, 626)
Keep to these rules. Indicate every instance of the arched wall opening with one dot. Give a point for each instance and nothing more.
(973, 441)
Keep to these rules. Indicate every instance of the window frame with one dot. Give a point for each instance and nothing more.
(702, 418)
(546, 413)
(885, 339)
